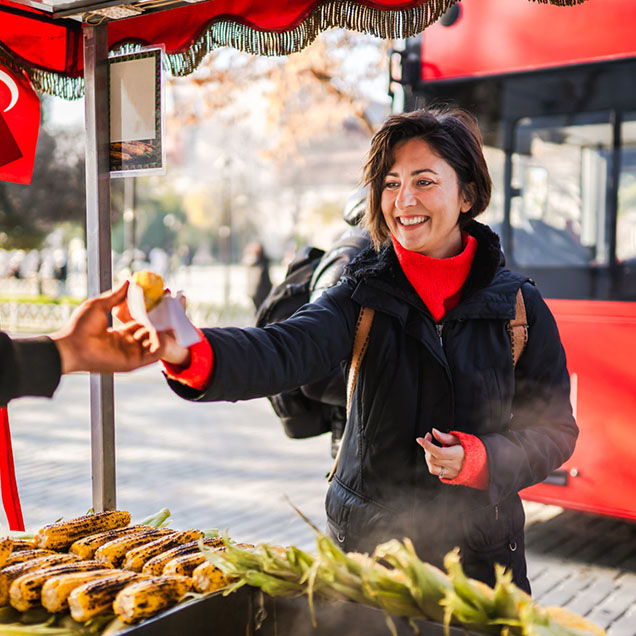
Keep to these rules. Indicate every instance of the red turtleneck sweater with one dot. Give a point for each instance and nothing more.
(439, 283)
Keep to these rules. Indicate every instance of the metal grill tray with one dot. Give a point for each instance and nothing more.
(237, 615)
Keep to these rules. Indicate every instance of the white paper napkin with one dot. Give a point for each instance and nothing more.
(167, 314)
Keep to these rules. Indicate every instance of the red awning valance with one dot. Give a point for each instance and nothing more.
(50, 50)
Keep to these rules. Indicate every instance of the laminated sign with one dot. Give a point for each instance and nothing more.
(136, 117)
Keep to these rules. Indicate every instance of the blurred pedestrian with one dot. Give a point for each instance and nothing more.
(258, 280)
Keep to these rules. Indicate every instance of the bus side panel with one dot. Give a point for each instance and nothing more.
(492, 37)
(599, 338)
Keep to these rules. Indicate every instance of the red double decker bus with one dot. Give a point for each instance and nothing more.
(554, 89)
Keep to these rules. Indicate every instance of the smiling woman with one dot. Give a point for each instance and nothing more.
(444, 428)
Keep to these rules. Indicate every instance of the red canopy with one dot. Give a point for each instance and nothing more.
(49, 48)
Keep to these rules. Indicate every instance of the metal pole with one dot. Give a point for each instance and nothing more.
(98, 243)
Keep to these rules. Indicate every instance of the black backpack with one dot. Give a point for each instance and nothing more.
(300, 415)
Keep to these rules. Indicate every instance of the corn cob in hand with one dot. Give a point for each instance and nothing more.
(25, 591)
(144, 599)
(60, 535)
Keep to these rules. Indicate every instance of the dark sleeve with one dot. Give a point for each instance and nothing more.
(28, 367)
(253, 362)
(542, 431)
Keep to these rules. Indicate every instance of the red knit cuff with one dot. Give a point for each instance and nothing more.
(474, 472)
(198, 373)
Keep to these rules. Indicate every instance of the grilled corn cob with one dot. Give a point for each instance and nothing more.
(10, 573)
(23, 544)
(24, 592)
(56, 590)
(155, 565)
(6, 546)
(92, 598)
(26, 555)
(60, 535)
(152, 286)
(114, 551)
(137, 557)
(86, 546)
(143, 599)
(184, 565)
(208, 578)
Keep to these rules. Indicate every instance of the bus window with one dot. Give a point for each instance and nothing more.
(560, 169)
(626, 221)
(494, 214)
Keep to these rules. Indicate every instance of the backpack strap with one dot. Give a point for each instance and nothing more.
(360, 342)
(518, 329)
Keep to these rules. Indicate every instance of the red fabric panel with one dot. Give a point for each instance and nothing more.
(55, 45)
(9, 487)
(263, 15)
(501, 36)
(39, 41)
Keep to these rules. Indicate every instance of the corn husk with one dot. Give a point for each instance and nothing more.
(396, 581)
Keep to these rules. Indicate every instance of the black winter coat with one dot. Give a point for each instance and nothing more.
(28, 367)
(412, 380)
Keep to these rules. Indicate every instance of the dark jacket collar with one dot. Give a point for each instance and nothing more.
(381, 271)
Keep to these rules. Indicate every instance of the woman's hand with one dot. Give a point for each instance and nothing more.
(445, 461)
(163, 345)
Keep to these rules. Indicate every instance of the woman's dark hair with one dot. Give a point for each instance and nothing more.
(453, 135)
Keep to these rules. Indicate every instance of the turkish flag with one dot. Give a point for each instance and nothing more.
(19, 126)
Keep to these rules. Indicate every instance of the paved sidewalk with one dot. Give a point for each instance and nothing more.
(230, 466)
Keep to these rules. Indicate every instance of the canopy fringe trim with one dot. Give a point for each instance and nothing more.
(47, 82)
(335, 14)
(346, 14)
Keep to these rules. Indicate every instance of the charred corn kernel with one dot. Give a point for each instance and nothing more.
(10, 573)
(92, 598)
(184, 565)
(143, 599)
(152, 286)
(137, 557)
(24, 592)
(60, 535)
(208, 578)
(56, 590)
(114, 551)
(86, 546)
(155, 565)
(23, 544)
(6, 546)
(27, 555)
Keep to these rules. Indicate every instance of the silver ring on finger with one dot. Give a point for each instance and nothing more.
(441, 473)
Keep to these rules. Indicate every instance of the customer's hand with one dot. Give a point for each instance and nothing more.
(445, 461)
(88, 343)
(162, 344)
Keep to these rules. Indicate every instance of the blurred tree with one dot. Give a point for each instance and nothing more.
(306, 95)
(56, 193)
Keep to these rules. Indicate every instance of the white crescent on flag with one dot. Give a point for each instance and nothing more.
(13, 88)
